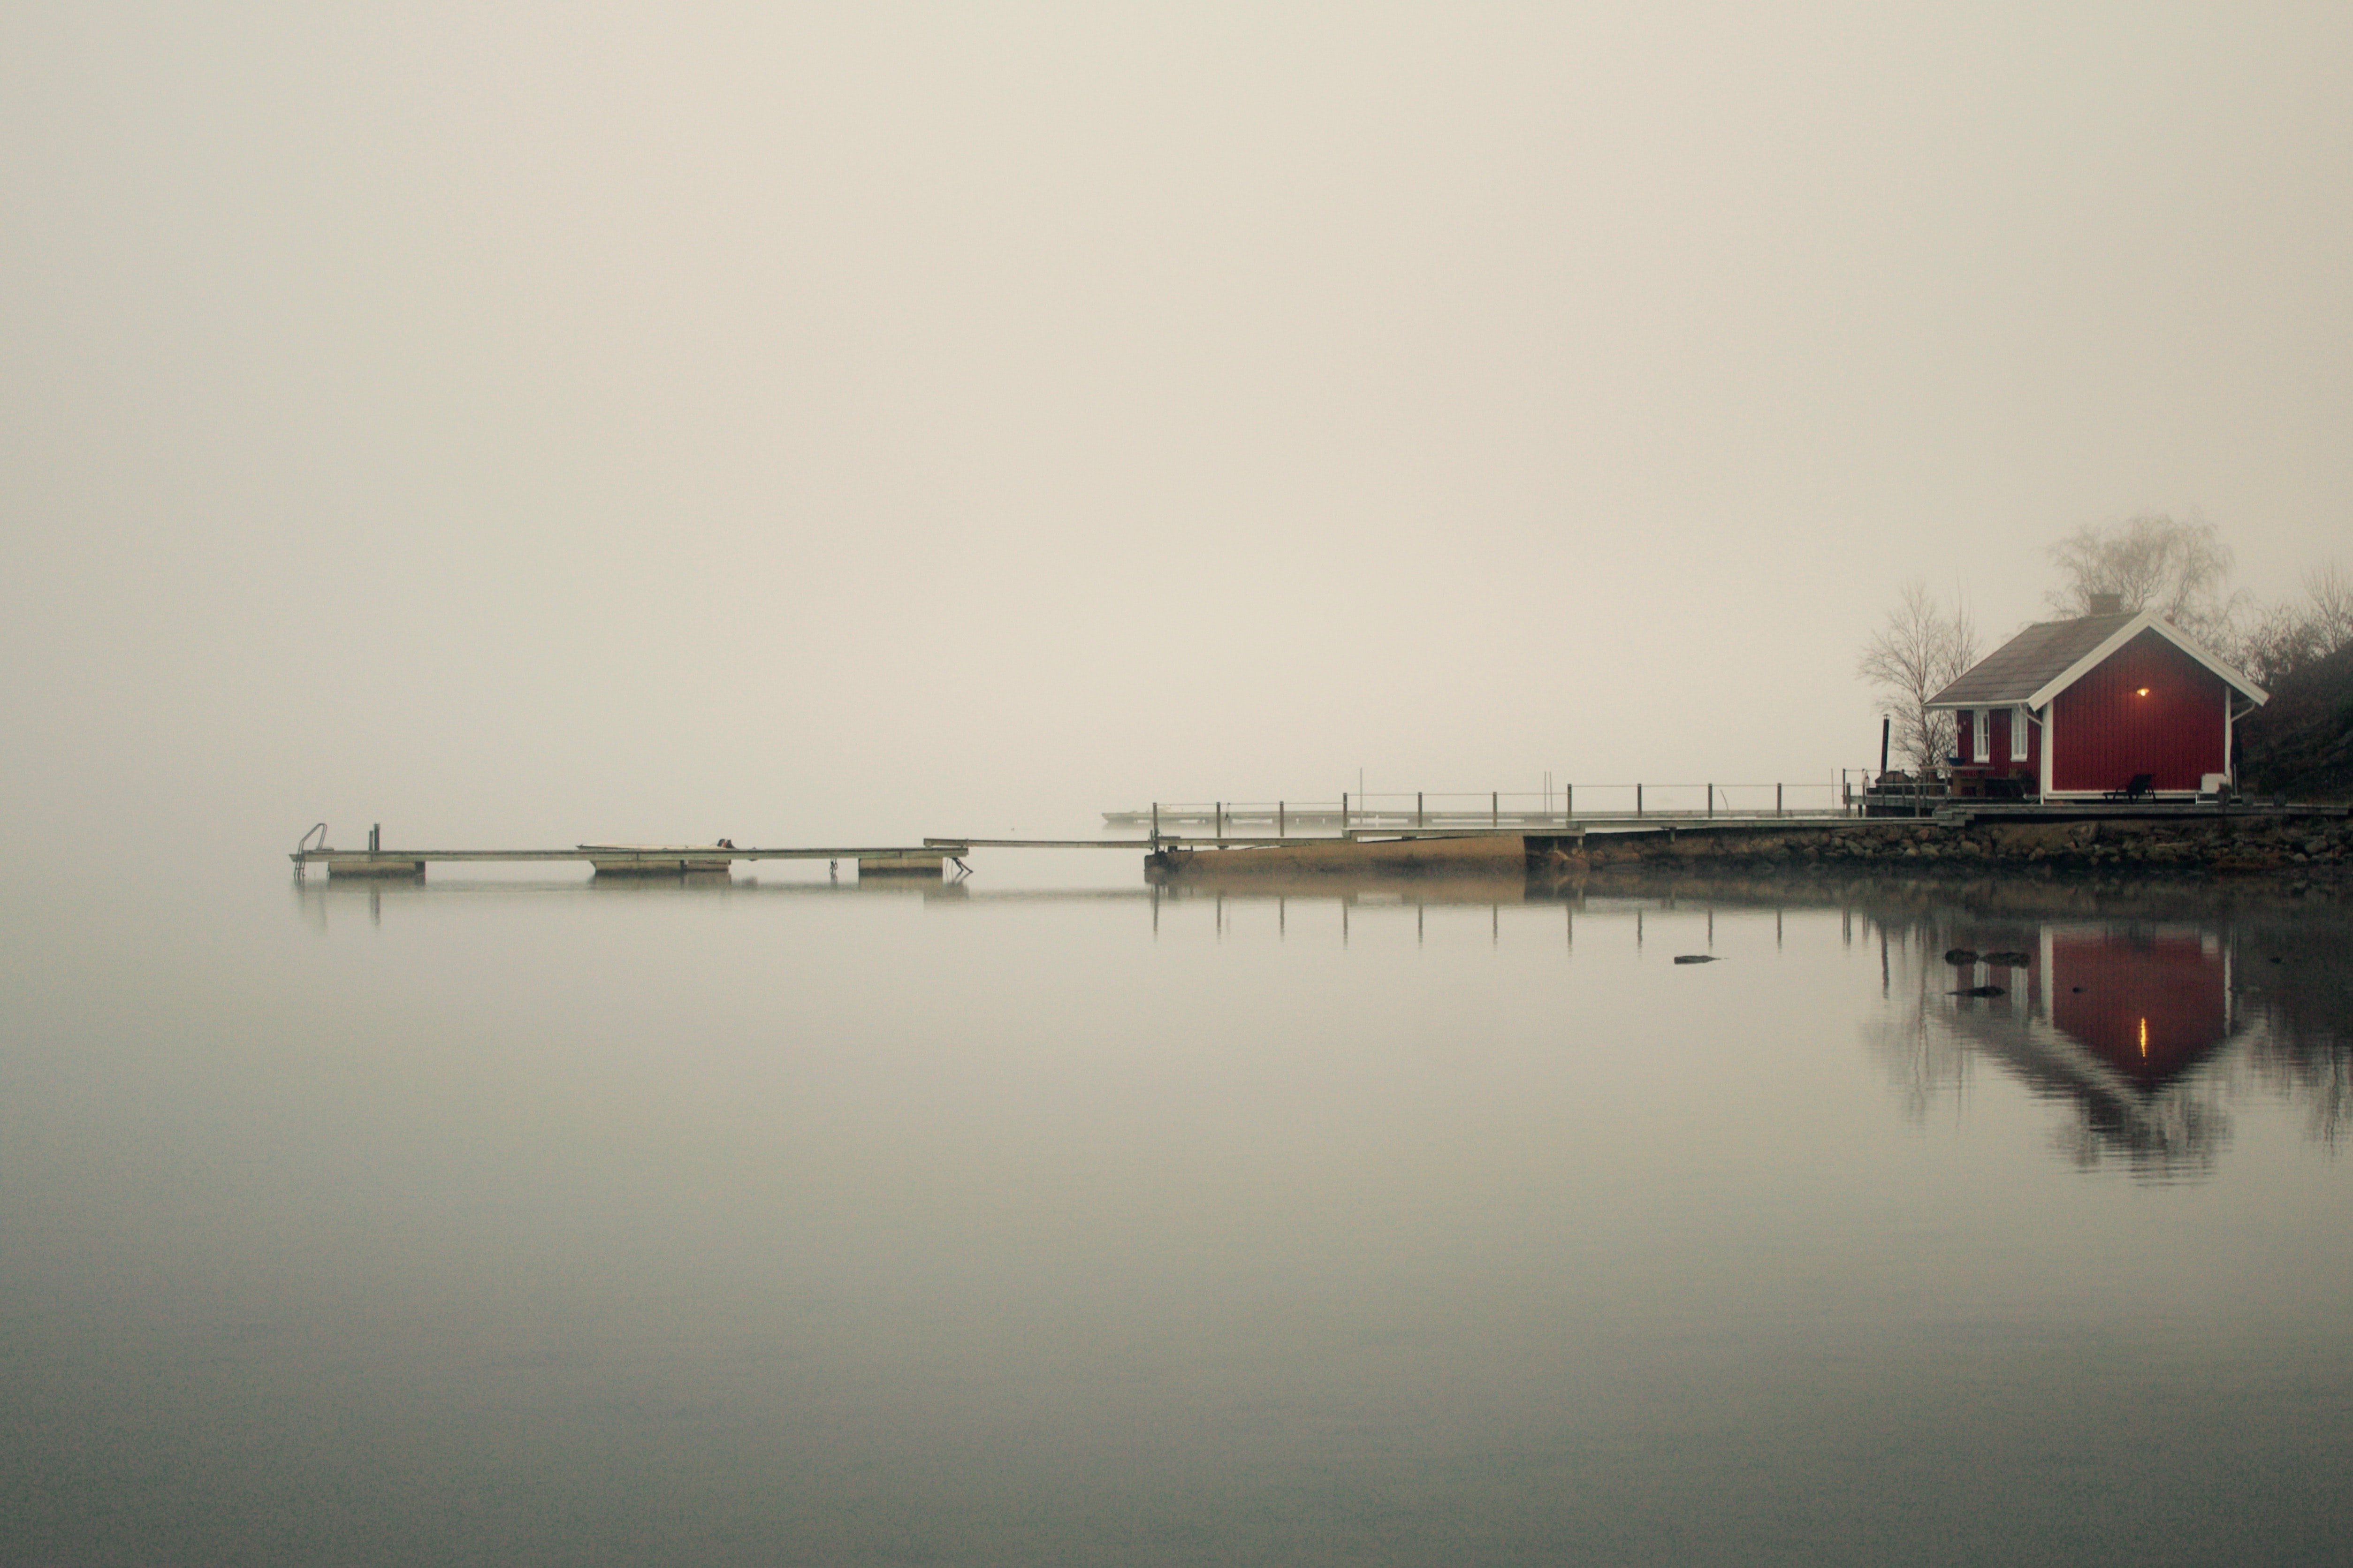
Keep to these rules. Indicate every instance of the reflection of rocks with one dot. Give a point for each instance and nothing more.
(2300, 1001)
(1892, 893)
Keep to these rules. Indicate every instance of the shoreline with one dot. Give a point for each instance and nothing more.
(2296, 854)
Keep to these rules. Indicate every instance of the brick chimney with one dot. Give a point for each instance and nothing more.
(2107, 605)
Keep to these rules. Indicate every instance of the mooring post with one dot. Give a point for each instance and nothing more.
(1344, 817)
(376, 838)
(1156, 837)
(1495, 808)
(1567, 806)
(1776, 800)
(1281, 825)
(1711, 801)
(1218, 817)
(1638, 811)
(1417, 808)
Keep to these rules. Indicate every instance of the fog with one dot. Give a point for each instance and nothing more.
(529, 423)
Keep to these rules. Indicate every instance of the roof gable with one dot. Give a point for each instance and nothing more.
(2048, 656)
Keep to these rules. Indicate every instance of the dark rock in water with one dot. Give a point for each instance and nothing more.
(2007, 960)
(1959, 955)
(1694, 958)
(1979, 991)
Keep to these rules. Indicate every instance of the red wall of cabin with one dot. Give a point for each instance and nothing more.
(2107, 731)
(1997, 760)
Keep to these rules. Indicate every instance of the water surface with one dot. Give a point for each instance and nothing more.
(1052, 1218)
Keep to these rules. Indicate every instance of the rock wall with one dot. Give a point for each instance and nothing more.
(2292, 850)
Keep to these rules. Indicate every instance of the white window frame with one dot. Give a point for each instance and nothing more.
(2018, 723)
(1981, 735)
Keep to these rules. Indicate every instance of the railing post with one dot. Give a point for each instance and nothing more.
(1495, 808)
(1218, 817)
(1638, 800)
(1567, 806)
(1156, 827)
(1710, 802)
(1776, 800)
(1418, 817)
(1281, 825)
(1343, 814)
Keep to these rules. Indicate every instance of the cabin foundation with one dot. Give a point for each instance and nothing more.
(362, 864)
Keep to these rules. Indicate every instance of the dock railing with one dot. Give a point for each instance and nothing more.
(1894, 794)
(1471, 811)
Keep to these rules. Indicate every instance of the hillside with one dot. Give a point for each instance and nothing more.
(2300, 744)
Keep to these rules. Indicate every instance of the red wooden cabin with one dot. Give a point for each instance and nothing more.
(2079, 710)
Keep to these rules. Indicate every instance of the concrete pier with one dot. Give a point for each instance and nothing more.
(1487, 853)
(928, 863)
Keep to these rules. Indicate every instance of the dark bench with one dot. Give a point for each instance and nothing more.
(2138, 789)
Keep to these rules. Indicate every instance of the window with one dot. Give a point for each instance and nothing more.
(1981, 735)
(2018, 723)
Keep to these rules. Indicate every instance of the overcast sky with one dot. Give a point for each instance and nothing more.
(520, 424)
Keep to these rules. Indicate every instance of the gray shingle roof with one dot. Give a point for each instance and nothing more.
(2028, 662)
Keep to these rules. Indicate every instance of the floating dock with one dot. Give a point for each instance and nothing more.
(929, 859)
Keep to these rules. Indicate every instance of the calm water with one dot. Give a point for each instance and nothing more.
(1048, 1220)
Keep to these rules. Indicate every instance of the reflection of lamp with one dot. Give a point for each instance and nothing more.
(2149, 1007)
(2144, 691)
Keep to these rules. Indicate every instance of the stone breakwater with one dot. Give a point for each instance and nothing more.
(2296, 851)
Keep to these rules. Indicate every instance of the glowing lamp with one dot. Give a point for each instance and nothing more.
(2144, 691)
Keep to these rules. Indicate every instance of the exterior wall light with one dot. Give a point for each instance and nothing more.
(2144, 691)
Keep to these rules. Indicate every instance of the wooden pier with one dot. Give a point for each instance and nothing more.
(1389, 832)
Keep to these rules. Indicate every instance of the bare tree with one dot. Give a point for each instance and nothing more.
(2290, 634)
(2179, 568)
(1920, 649)
(2330, 594)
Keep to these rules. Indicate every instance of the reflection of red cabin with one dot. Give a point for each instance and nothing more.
(2150, 1008)
(2077, 708)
